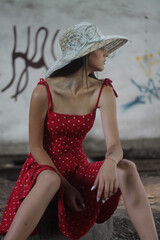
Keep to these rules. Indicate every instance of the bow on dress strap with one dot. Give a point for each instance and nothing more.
(43, 81)
(109, 82)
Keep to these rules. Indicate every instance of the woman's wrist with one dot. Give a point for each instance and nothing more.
(111, 159)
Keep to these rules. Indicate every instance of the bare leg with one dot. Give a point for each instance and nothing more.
(135, 200)
(33, 206)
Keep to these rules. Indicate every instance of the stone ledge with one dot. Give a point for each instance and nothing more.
(135, 148)
(51, 231)
(124, 229)
(146, 148)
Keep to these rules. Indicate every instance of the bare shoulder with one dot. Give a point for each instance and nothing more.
(39, 93)
(107, 97)
(107, 94)
(39, 100)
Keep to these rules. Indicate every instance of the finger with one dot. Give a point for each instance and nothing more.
(116, 185)
(106, 191)
(71, 206)
(100, 189)
(80, 199)
(111, 189)
(75, 206)
(95, 183)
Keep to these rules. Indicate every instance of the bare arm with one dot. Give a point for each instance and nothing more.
(37, 115)
(106, 178)
(109, 124)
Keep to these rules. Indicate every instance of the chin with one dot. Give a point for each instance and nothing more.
(99, 69)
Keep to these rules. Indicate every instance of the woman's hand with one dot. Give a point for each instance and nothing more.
(106, 181)
(73, 198)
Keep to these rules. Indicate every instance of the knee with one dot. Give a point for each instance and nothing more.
(128, 168)
(50, 180)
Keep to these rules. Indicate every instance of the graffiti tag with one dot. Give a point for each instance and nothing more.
(151, 89)
(22, 82)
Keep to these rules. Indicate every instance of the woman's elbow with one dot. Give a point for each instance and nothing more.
(35, 149)
(121, 153)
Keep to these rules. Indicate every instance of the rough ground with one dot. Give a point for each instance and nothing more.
(123, 228)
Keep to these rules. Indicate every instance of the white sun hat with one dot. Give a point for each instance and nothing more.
(81, 39)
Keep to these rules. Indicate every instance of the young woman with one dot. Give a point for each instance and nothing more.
(62, 111)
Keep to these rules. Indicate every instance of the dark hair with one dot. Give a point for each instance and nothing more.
(73, 67)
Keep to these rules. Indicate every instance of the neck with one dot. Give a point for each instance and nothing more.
(79, 79)
(76, 82)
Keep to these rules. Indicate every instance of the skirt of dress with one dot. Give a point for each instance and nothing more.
(72, 224)
(76, 224)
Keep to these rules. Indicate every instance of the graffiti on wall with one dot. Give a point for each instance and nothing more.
(22, 82)
(149, 91)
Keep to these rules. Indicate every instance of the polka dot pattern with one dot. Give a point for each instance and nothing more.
(63, 138)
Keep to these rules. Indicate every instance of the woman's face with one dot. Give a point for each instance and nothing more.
(97, 59)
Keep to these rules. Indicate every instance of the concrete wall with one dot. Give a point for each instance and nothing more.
(27, 32)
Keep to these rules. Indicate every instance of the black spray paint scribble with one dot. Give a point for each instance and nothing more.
(22, 82)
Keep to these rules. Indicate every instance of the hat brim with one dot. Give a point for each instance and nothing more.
(110, 43)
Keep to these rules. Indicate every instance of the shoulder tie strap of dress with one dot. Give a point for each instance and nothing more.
(43, 82)
(106, 82)
(109, 82)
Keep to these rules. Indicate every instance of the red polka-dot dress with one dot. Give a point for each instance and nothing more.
(63, 138)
